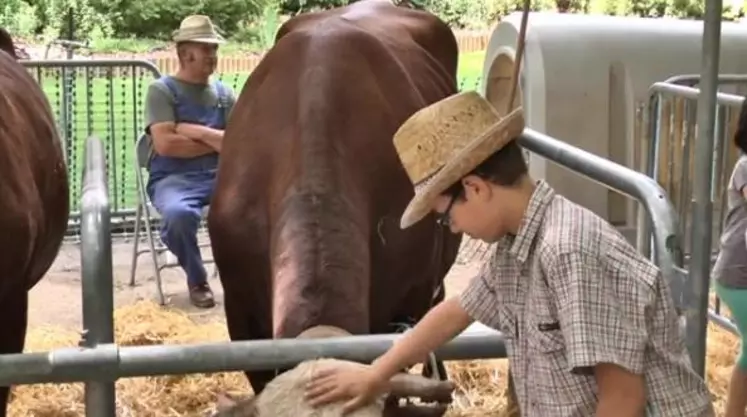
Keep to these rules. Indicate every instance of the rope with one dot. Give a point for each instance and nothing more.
(519, 55)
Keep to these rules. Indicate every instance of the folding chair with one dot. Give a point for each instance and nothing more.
(145, 212)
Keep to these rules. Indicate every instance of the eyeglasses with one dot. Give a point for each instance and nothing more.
(444, 219)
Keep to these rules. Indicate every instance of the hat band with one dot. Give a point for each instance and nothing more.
(200, 32)
(427, 180)
(196, 34)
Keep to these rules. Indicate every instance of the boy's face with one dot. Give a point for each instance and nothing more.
(477, 212)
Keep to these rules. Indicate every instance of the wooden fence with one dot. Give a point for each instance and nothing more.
(468, 41)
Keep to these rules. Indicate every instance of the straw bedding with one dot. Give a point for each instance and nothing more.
(481, 384)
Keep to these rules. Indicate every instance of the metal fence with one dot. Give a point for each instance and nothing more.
(102, 96)
(670, 159)
(106, 97)
(98, 361)
(111, 94)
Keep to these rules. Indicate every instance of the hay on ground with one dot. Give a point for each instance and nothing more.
(481, 384)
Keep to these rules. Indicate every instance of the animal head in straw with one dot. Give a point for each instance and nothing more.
(284, 397)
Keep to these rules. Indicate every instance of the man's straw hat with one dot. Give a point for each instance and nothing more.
(441, 143)
(197, 28)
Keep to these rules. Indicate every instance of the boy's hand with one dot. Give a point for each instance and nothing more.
(359, 385)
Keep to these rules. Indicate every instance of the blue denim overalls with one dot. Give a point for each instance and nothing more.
(180, 187)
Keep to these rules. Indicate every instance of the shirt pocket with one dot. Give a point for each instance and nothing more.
(543, 332)
(555, 390)
(545, 353)
(545, 337)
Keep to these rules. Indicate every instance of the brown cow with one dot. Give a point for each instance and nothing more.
(304, 221)
(6, 43)
(33, 196)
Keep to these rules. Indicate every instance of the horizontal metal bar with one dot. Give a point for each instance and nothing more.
(723, 99)
(109, 361)
(623, 180)
(692, 79)
(90, 63)
(722, 322)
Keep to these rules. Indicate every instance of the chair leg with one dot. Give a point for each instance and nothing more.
(157, 270)
(133, 268)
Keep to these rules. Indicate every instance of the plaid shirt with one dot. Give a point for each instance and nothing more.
(569, 292)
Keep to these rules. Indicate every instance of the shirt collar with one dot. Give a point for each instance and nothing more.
(520, 244)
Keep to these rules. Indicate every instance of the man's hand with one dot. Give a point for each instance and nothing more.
(358, 384)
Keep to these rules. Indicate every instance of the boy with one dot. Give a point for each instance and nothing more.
(590, 325)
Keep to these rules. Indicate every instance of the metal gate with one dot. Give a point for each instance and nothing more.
(106, 97)
(99, 361)
(671, 153)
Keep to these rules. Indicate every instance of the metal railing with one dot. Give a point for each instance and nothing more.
(670, 160)
(661, 216)
(99, 362)
(96, 269)
(107, 96)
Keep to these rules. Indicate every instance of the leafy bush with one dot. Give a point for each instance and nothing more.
(158, 19)
(256, 21)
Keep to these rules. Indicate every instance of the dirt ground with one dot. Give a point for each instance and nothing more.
(56, 300)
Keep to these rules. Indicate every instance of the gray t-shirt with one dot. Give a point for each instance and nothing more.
(160, 101)
(730, 269)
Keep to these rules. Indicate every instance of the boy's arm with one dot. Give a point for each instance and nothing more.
(441, 324)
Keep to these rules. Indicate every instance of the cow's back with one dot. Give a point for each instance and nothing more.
(368, 56)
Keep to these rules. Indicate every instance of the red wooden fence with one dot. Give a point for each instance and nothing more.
(468, 41)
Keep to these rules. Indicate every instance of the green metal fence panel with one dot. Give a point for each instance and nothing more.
(105, 98)
(101, 97)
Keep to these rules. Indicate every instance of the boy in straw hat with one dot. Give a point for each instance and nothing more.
(185, 116)
(589, 323)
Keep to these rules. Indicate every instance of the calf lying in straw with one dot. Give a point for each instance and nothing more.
(284, 395)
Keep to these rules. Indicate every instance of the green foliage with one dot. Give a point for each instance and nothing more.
(53, 19)
(18, 17)
(255, 22)
(261, 32)
(293, 7)
(158, 19)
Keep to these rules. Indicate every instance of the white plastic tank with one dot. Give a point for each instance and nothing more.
(584, 76)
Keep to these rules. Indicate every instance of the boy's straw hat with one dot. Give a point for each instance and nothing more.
(441, 143)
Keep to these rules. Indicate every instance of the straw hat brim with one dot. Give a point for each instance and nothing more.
(207, 39)
(467, 159)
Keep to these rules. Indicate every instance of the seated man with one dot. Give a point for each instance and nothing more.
(185, 118)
